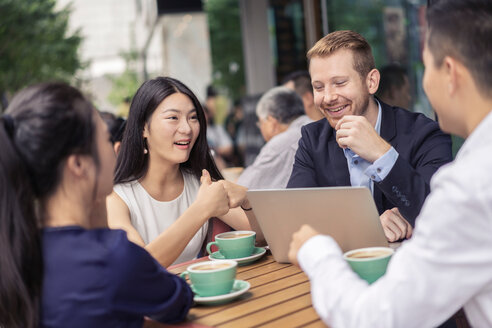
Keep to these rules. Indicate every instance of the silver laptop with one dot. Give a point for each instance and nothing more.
(348, 214)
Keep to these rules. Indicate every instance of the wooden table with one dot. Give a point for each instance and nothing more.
(279, 297)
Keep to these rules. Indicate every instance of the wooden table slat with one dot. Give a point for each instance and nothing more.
(270, 313)
(259, 303)
(260, 279)
(315, 324)
(265, 269)
(265, 260)
(201, 311)
(279, 297)
(295, 319)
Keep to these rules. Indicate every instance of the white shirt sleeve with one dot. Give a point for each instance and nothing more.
(446, 264)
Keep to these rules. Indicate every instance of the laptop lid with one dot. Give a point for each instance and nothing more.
(348, 214)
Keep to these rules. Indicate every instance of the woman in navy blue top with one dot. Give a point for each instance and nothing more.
(97, 278)
(56, 170)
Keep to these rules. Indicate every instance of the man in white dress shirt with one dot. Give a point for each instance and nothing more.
(280, 114)
(448, 262)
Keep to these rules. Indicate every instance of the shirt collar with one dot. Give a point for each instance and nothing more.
(378, 121)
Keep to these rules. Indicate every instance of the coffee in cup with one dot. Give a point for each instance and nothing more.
(367, 254)
(369, 263)
(234, 244)
(208, 267)
(211, 278)
(231, 235)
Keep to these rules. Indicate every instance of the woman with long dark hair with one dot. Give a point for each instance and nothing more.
(163, 155)
(60, 265)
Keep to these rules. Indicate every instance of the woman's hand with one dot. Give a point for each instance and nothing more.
(212, 197)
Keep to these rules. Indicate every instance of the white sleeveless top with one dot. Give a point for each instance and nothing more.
(150, 217)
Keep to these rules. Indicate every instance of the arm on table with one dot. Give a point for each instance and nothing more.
(139, 285)
(428, 279)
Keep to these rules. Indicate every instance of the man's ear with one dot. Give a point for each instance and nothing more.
(77, 165)
(372, 81)
(272, 120)
(453, 74)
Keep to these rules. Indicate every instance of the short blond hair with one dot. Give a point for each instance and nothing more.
(363, 59)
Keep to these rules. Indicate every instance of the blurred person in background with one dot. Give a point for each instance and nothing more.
(164, 156)
(280, 113)
(60, 265)
(249, 138)
(218, 140)
(300, 82)
(394, 87)
(233, 124)
(116, 126)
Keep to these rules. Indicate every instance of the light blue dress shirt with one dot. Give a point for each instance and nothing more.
(363, 173)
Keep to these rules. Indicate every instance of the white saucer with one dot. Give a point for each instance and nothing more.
(240, 287)
(257, 253)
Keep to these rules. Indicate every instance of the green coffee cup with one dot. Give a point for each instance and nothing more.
(234, 244)
(211, 278)
(369, 263)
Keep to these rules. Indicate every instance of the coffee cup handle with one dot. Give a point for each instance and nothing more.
(183, 275)
(209, 245)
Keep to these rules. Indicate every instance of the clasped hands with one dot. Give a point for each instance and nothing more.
(220, 196)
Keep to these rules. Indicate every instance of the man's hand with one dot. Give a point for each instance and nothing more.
(298, 239)
(236, 194)
(395, 226)
(356, 133)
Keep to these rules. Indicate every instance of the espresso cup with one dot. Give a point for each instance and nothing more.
(369, 263)
(234, 244)
(211, 278)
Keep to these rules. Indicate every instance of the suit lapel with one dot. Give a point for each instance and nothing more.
(387, 132)
(388, 122)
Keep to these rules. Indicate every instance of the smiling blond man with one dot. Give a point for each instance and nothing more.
(363, 141)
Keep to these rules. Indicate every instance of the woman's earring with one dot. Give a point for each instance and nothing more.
(146, 151)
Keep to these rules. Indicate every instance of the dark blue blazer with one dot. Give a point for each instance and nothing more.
(422, 149)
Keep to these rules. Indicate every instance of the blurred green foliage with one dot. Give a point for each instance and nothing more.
(226, 46)
(364, 17)
(126, 84)
(34, 44)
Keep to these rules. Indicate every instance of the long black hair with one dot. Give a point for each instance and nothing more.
(44, 124)
(132, 163)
